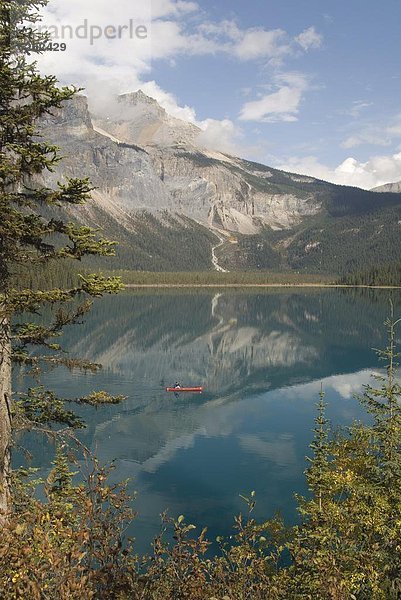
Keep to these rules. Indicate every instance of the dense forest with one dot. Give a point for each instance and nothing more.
(379, 275)
(330, 244)
(215, 278)
(50, 276)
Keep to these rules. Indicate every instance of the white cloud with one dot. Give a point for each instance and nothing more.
(366, 137)
(175, 28)
(249, 44)
(116, 62)
(164, 8)
(395, 130)
(348, 386)
(282, 105)
(123, 61)
(376, 135)
(170, 33)
(219, 135)
(309, 38)
(358, 106)
(279, 106)
(169, 102)
(376, 171)
(259, 43)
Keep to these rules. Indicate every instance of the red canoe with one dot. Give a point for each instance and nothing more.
(185, 389)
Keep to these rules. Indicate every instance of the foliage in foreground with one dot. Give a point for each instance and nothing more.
(69, 545)
(31, 241)
(347, 545)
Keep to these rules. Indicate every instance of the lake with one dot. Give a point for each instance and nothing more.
(261, 356)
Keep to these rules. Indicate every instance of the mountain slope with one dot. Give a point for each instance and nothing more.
(325, 244)
(170, 202)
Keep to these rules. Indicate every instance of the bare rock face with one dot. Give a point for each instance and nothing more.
(140, 158)
(123, 174)
(138, 119)
(220, 192)
(73, 120)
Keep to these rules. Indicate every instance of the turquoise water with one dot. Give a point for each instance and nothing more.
(260, 356)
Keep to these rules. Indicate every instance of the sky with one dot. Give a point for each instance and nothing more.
(308, 86)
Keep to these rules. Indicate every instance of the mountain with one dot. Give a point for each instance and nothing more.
(393, 188)
(175, 205)
(140, 119)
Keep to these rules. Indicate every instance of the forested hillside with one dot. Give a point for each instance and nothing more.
(386, 274)
(327, 244)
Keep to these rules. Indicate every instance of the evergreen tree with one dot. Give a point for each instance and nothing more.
(27, 237)
(348, 543)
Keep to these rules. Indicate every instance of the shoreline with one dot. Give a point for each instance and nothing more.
(258, 285)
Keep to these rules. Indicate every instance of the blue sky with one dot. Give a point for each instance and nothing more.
(313, 86)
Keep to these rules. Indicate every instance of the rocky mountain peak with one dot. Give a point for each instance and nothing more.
(139, 119)
(139, 97)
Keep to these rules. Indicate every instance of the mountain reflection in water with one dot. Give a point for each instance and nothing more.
(261, 358)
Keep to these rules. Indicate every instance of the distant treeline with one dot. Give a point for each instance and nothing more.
(49, 276)
(389, 274)
(52, 276)
(217, 278)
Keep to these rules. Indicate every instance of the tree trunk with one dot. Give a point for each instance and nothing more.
(5, 418)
